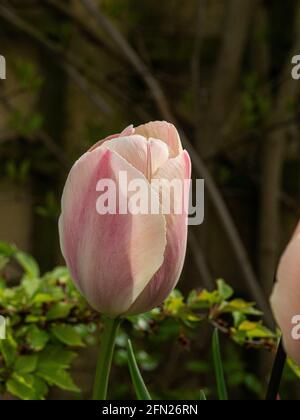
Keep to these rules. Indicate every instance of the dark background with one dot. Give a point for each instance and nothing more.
(78, 70)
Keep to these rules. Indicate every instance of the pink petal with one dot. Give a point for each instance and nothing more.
(140, 152)
(285, 299)
(112, 258)
(164, 131)
(168, 275)
(159, 152)
(297, 230)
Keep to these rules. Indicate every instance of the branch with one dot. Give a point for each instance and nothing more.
(196, 68)
(88, 32)
(228, 68)
(199, 166)
(44, 137)
(272, 170)
(9, 16)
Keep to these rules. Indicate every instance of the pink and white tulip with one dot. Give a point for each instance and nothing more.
(285, 299)
(125, 263)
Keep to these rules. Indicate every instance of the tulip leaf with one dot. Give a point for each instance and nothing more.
(137, 380)
(202, 396)
(221, 385)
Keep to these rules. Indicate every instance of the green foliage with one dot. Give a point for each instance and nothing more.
(27, 75)
(18, 172)
(49, 322)
(237, 318)
(26, 125)
(44, 331)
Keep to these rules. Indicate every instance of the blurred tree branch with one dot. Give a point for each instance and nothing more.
(66, 63)
(196, 67)
(272, 169)
(163, 106)
(40, 135)
(86, 30)
(228, 68)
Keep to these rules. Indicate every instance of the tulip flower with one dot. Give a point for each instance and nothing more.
(285, 299)
(125, 263)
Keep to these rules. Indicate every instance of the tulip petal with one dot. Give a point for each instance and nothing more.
(297, 231)
(111, 257)
(159, 154)
(285, 299)
(168, 275)
(139, 152)
(164, 131)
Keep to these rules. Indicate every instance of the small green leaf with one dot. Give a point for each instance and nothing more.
(224, 289)
(33, 319)
(238, 318)
(255, 330)
(207, 299)
(8, 349)
(174, 303)
(26, 364)
(58, 377)
(28, 263)
(59, 311)
(67, 335)
(31, 285)
(41, 298)
(26, 387)
(137, 380)
(221, 385)
(37, 338)
(7, 250)
(239, 305)
(55, 357)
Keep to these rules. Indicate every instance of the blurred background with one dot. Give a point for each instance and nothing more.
(220, 70)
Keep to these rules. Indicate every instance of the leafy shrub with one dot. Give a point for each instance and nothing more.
(48, 322)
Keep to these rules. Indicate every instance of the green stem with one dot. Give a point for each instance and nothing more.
(277, 373)
(105, 358)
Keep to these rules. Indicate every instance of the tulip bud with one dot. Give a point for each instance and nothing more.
(285, 299)
(126, 263)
